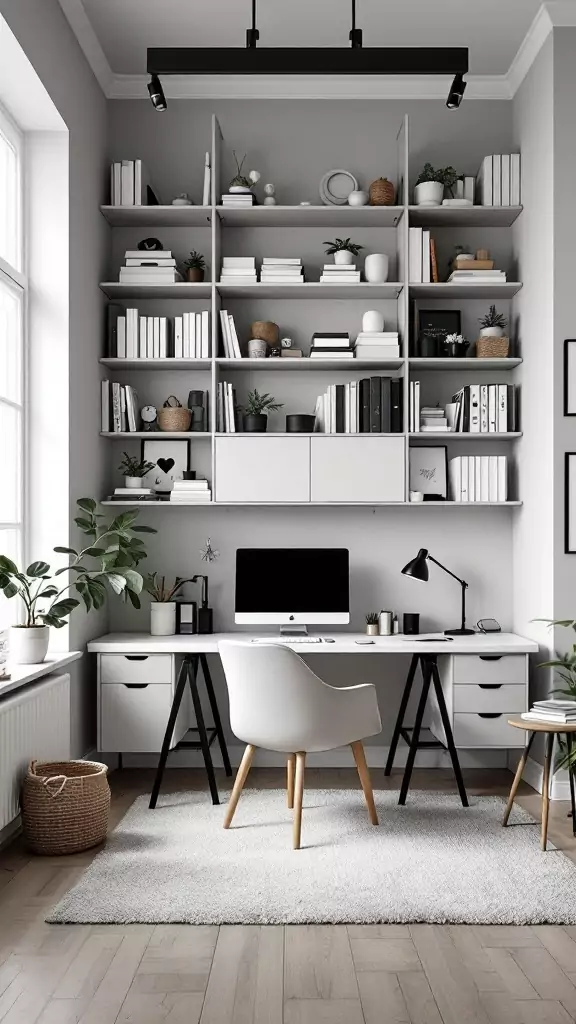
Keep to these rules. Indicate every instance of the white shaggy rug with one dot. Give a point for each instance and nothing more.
(431, 861)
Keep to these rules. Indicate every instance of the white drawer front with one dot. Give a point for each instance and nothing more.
(357, 468)
(489, 668)
(133, 718)
(507, 697)
(135, 668)
(477, 731)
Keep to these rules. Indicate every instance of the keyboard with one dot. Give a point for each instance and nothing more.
(287, 640)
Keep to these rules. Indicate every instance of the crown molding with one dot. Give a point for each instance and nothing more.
(89, 43)
(529, 49)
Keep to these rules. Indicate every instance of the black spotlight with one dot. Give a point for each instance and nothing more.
(157, 93)
(456, 94)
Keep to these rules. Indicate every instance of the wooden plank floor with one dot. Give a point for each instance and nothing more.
(356, 974)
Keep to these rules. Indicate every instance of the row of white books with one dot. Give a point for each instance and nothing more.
(226, 409)
(229, 333)
(120, 412)
(498, 180)
(422, 262)
(475, 409)
(157, 337)
(557, 711)
(190, 492)
(478, 478)
(129, 184)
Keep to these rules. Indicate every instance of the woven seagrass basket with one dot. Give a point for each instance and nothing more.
(382, 192)
(65, 806)
(492, 348)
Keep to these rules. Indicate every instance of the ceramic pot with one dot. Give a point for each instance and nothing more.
(194, 275)
(428, 346)
(29, 644)
(257, 349)
(491, 332)
(376, 268)
(372, 629)
(343, 258)
(429, 193)
(372, 321)
(163, 618)
(358, 198)
(255, 424)
(132, 481)
(454, 349)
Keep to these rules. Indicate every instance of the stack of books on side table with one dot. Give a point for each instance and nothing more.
(558, 712)
(377, 345)
(334, 273)
(190, 492)
(281, 271)
(155, 267)
(238, 199)
(238, 270)
(332, 345)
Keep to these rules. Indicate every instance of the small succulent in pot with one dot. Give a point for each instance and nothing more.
(372, 624)
(492, 324)
(195, 267)
(240, 183)
(256, 411)
(343, 250)
(134, 469)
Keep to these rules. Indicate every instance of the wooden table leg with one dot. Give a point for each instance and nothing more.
(546, 787)
(518, 777)
(290, 770)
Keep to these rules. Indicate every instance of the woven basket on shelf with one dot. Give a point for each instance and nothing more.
(65, 806)
(382, 192)
(175, 418)
(492, 348)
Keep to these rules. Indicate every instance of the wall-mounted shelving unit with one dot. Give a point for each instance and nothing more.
(356, 461)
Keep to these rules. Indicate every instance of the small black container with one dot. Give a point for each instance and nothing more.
(255, 423)
(300, 423)
(189, 474)
(411, 623)
(186, 617)
(205, 620)
(196, 406)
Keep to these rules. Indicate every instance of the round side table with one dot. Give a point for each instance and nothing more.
(551, 729)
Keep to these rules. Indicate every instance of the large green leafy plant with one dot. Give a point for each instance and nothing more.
(108, 561)
(565, 669)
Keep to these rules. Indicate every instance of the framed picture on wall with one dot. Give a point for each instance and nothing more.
(170, 461)
(429, 471)
(570, 503)
(570, 377)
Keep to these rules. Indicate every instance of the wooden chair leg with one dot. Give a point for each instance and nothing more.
(546, 787)
(290, 770)
(298, 794)
(364, 774)
(517, 778)
(239, 781)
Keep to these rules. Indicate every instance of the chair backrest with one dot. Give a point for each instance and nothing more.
(276, 701)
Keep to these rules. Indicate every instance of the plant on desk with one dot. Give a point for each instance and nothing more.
(372, 627)
(163, 606)
(133, 470)
(343, 251)
(108, 562)
(256, 411)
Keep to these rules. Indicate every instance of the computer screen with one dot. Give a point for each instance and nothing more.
(299, 585)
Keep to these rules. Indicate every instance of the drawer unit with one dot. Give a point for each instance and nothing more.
(489, 668)
(133, 717)
(485, 730)
(136, 668)
(486, 697)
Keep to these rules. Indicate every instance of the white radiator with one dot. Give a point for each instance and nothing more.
(34, 725)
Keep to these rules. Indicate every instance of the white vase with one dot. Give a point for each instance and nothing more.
(132, 481)
(163, 618)
(29, 644)
(257, 349)
(372, 321)
(358, 198)
(376, 268)
(343, 258)
(491, 332)
(429, 193)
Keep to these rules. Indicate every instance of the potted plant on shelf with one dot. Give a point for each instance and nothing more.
(195, 267)
(343, 251)
(163, 606)
(255, 418)
(133, 470)
(492, 324)
(430, 185)
(454, 346)
(109, 561)
(239, 182)
(372, 624)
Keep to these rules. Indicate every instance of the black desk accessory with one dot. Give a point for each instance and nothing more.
(205, 615)
(186, 617)
(417, 569)
(489, 626)
(411, 623)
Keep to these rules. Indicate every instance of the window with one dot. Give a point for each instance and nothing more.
(12, 356)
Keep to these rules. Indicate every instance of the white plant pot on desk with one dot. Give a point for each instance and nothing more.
(163, 618)
(343, 258)
(429, 193)
(29, 644)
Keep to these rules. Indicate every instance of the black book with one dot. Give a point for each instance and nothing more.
(113, 311)
(512, 408)
(340, 411)
(396, 396)
(365, 406)
(375, 419)
(385, 406)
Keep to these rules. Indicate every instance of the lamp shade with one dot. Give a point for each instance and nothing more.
(418, 567)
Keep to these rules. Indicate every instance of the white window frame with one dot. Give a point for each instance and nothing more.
(15, 278)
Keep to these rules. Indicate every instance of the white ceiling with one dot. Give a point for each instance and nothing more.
(492, 29)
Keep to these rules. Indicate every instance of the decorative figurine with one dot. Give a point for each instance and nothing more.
(150, 245)
(254, 177)
(182, 200)
(149, 417)
(286, 342)
(208, 553)
(269, 191)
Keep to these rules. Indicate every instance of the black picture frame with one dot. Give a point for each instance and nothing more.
(569, 504)
(441, 453)
(449, 320)
(569, 364)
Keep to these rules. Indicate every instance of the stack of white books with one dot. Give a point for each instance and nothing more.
(143, 267)
(238, 270)
(230, 342)
(478, 478)
(498, 180)
(377, 345)
(226, 408)
(477, 277)
(433, 420)
(237, 199)
(190, 492)
(192, 335)
(276, 270)
(560, 712)
(334, 273)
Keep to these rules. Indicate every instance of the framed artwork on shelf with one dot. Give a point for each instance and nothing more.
(429, 471)
(570, 503)
(441, 322)
(170, 460)
(570, 377)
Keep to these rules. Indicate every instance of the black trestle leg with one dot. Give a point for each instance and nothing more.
(571, 780)
(401, 714)
(413, 748)
(215, 714)
(448, 731)
(178, 694)
(204, 743)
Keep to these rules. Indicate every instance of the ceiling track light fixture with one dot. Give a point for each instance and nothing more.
(355, 60)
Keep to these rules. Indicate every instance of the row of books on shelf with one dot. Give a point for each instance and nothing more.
(150, 266)
(423, 264)
(478, 478)
(498, 180)
(241, 270)
(184, 492)
(474, 409)
(369, 406)
(129, 184)
(120, 411)
(131, 336)
(228, 419)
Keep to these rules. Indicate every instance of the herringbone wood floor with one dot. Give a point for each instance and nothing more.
(377, 974)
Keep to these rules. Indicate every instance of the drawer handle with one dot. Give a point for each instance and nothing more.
(136, 657)
(489, 714)
(489, 686)
(135, 686)
(490, 657)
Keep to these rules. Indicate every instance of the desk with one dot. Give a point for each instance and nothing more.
(471, 678)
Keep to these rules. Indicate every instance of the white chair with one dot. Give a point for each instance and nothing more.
(278, 703)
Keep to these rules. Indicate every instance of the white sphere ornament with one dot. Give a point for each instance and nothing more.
(372, 321)
(358, 198)
(254, 176)
(376, 268)
(269, 192)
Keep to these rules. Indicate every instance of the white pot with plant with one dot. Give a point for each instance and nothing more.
(133, 470)
(163, 606)
(492, 324)
(343, 250)
(109, 560)
(431, 182)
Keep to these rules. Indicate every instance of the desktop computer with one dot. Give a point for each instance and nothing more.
(292, 587)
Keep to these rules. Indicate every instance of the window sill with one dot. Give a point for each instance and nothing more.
(22, 675)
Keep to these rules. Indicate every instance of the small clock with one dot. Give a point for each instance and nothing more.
(149, 417)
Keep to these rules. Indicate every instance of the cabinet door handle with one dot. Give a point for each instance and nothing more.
(489, 686)
(489, 714)
(489, 657)
(136, 657)
(135, 686)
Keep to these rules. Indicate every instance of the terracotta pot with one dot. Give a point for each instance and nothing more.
(194, 275)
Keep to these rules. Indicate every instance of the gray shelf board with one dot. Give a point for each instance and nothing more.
(157, 216)
(310, 216)
(454, 435)
(463, 216)
(309, 364)
(469, 363)
(154, 435)
(317, 504)
(311, 290)
(465, 504)
(293, 433)
(180, 290)
(444, 290)
(157, 364)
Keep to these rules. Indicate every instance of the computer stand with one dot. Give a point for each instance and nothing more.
(294, 630)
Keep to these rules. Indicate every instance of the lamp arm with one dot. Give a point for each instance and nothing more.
(452, 574)
(204, 588)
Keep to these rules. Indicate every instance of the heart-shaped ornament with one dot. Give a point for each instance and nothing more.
(165, 464)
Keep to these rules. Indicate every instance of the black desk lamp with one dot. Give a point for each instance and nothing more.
(205, 623)
(418, 570)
